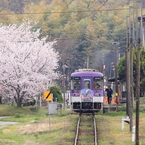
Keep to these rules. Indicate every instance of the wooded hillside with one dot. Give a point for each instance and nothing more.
(84, 29)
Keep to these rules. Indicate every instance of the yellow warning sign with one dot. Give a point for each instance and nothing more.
(47, 96)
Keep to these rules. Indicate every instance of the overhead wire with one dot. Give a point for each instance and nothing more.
(112, 9)
(63, 12)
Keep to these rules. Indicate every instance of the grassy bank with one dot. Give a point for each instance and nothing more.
(37, 128)
(8, 110)
(110, 128)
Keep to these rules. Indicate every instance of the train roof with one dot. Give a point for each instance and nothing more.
(90, 72)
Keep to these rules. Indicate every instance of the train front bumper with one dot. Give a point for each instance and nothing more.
(94, 104)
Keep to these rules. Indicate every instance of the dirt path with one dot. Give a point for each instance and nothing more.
(4, 123)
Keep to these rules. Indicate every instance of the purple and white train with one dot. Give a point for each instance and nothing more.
(87, 90)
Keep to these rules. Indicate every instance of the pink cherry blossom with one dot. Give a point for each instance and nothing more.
(26, 62)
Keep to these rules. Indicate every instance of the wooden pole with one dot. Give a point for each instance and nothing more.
(126, 83)
(131, 85)
(138, 78)
(138, 93)
(128, 79)
(126, 64)
(116, 74)
(116, 61)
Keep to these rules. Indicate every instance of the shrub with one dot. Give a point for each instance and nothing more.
(57, 94)
(18, 115)
(123, 108)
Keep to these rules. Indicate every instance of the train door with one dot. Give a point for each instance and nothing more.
(86, 93)
(98, 83)
(86, 83)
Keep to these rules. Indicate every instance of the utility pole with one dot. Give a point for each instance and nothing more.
(116, 61)
(138, 78)
(138, 92)
(126, 53)
(131, 86)
(128, 79)
(127, 65)
(130, 101)
(116, 73)
(129, 68)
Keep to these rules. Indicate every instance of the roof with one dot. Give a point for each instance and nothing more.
(88, 73)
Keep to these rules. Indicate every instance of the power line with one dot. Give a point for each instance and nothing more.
(64, 12)
(102, 5)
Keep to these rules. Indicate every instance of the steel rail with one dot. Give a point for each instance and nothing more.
(95, 132)
(77, 131)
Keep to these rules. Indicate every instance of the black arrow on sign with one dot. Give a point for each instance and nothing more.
(48, 95)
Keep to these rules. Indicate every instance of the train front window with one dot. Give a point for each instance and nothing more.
(75, 83)
(87, 83)
(98, 83)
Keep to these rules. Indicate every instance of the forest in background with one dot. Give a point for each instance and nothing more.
(84, 29)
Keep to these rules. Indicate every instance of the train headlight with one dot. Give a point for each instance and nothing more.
(98, 94)
(76, 94)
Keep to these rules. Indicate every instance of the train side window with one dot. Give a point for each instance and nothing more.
(87, 83)
(98, 83)
(75, 83)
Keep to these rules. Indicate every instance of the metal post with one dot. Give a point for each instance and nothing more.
(40, 100)
(36, 104)
(87, 62)
(49, 116)
(63, 67)
(64, 89)
(133, 133)
(122, 123)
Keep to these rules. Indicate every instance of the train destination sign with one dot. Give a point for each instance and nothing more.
(75, 78)
(97, 78)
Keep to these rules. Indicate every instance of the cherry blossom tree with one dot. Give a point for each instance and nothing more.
(26, 62)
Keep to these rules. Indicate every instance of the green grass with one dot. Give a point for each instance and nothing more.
(110, 132)
(33, 128)
(8, 110)
(142, 100)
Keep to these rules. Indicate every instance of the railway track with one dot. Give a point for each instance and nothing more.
(86, 132)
